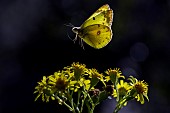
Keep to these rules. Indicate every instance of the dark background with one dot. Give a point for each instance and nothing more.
(34, 43)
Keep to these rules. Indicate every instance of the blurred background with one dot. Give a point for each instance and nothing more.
(34, 43)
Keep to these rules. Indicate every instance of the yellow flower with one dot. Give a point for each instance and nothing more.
(95, 74)
(113, 75)
(95, 77)
(123, 88)
(76, 85)
(77, 70)
(140, 88)
(44, 90)
(59, 81)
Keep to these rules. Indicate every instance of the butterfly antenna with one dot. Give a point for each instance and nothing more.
(69, 25)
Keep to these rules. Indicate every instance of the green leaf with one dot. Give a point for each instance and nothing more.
(95, 99)
(48, 92)
(94, 82)
(77, 74)
(113, 78)
(103, 95)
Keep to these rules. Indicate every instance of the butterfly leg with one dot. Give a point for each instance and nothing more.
(81, 43)
(74, 40)
(69, 37)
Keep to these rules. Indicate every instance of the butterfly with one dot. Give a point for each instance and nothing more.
(96, 30)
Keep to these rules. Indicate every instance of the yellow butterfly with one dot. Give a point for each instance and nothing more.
(96, 30)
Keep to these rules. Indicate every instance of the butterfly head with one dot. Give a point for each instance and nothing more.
(76, 30)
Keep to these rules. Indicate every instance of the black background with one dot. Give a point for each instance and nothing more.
(34, 43)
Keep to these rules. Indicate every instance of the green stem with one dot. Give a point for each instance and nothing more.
(70, 108)
(119, 106)
(92, 104)
(82, 104)
(117, 91)
(78, 102)
(92, 109)
(78, 98)
(117, 109)
(72, 104)
(88, 106)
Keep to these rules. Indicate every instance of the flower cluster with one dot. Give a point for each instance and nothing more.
(77, 86)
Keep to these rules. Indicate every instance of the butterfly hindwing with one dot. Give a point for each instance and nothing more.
(97, 35)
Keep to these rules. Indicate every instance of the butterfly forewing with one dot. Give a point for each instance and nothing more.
(101, 9)
(103, 18)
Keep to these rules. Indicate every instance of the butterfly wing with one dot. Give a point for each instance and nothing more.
(101, 9)
(103, 16)
(97, 35)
